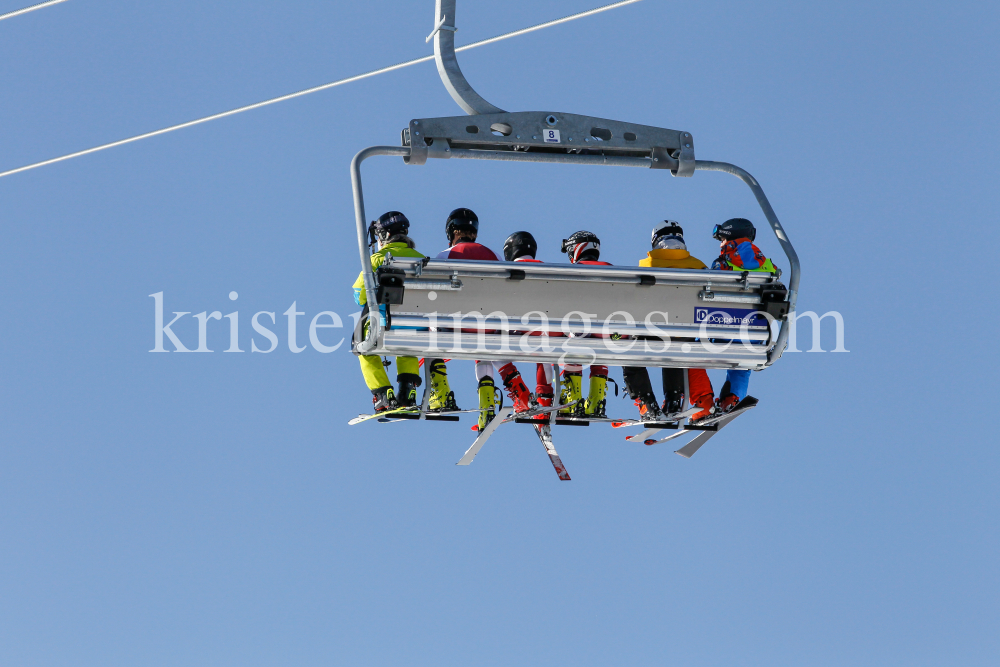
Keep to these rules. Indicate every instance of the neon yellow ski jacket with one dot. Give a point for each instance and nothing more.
(398, 249)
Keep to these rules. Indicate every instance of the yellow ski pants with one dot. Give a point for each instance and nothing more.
(374, 371)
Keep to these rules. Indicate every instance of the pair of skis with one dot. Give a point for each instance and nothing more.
(542, 429)
(706, 428)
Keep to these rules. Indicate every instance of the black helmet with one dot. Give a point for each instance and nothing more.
(734, 228)
(582, 246)
(388, 225)
(669, 230)
(461, 218)
(519, 244)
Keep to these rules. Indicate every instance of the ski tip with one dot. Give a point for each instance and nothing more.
(680, 452)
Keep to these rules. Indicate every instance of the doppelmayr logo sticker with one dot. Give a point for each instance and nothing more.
(733, 317)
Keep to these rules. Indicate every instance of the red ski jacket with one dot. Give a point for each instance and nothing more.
(468, 251)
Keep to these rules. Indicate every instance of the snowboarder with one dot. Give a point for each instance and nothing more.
(462, 229)
(738, 253)
(584, 248)
(390, 233)
(670, 251)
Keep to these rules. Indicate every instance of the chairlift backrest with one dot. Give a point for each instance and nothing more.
(489, 310)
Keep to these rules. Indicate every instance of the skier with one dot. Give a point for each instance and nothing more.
(738, 253)
(521, 247)
(462, 229)
(584, 248)
(390, 233)
(670, 251)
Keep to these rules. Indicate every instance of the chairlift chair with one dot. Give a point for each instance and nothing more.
(463, 309)
(430, 295)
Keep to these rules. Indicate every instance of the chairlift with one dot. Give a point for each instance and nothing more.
(465, 309)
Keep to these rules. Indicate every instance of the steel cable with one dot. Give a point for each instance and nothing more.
(40, 5)
(307, 91)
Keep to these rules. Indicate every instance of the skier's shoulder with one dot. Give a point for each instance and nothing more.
(399, 249)
(671, 259)
(468, 251)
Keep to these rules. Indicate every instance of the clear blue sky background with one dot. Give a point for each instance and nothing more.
(216, 509)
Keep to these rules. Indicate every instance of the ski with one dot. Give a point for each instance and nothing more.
(545, 436)
(678, 434)
(428, 415)
(688, 450)
(384, 413)
(648, 434)
(406, 414)
(484, 435)
(534, 412)
(710, 425)
(741, 407)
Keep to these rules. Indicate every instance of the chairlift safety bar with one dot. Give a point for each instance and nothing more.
(725, 289)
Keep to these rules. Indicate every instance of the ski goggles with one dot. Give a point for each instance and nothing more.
(669, 243)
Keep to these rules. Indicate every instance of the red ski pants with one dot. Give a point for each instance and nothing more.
(700, 385)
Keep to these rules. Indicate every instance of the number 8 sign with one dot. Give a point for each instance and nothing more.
(551, 136)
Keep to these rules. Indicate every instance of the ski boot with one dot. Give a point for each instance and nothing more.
(726, 403)
(707, 405)
(544, 397)
(673, 403)
(649, 410)
(408, 383)
(442, 397)
(571, 391)
(384, 399)
(486, 403)
(641, 391)
(597, 399)
(516, 389)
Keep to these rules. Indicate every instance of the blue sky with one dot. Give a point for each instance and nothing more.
(216, 509)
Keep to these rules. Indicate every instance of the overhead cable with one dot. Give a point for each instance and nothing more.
(40, 5)
(315, 89)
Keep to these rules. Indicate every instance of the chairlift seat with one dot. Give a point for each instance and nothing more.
(608, 315)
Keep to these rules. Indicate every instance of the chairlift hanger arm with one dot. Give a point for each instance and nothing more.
(447, 62)
(375, 327)
(539, 137)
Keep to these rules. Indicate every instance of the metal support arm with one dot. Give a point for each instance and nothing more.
(375, 324)
(447, 63)
(793, 258)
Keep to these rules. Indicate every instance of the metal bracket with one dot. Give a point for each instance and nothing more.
(662, 160)
(440, 26)
(685, 159)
